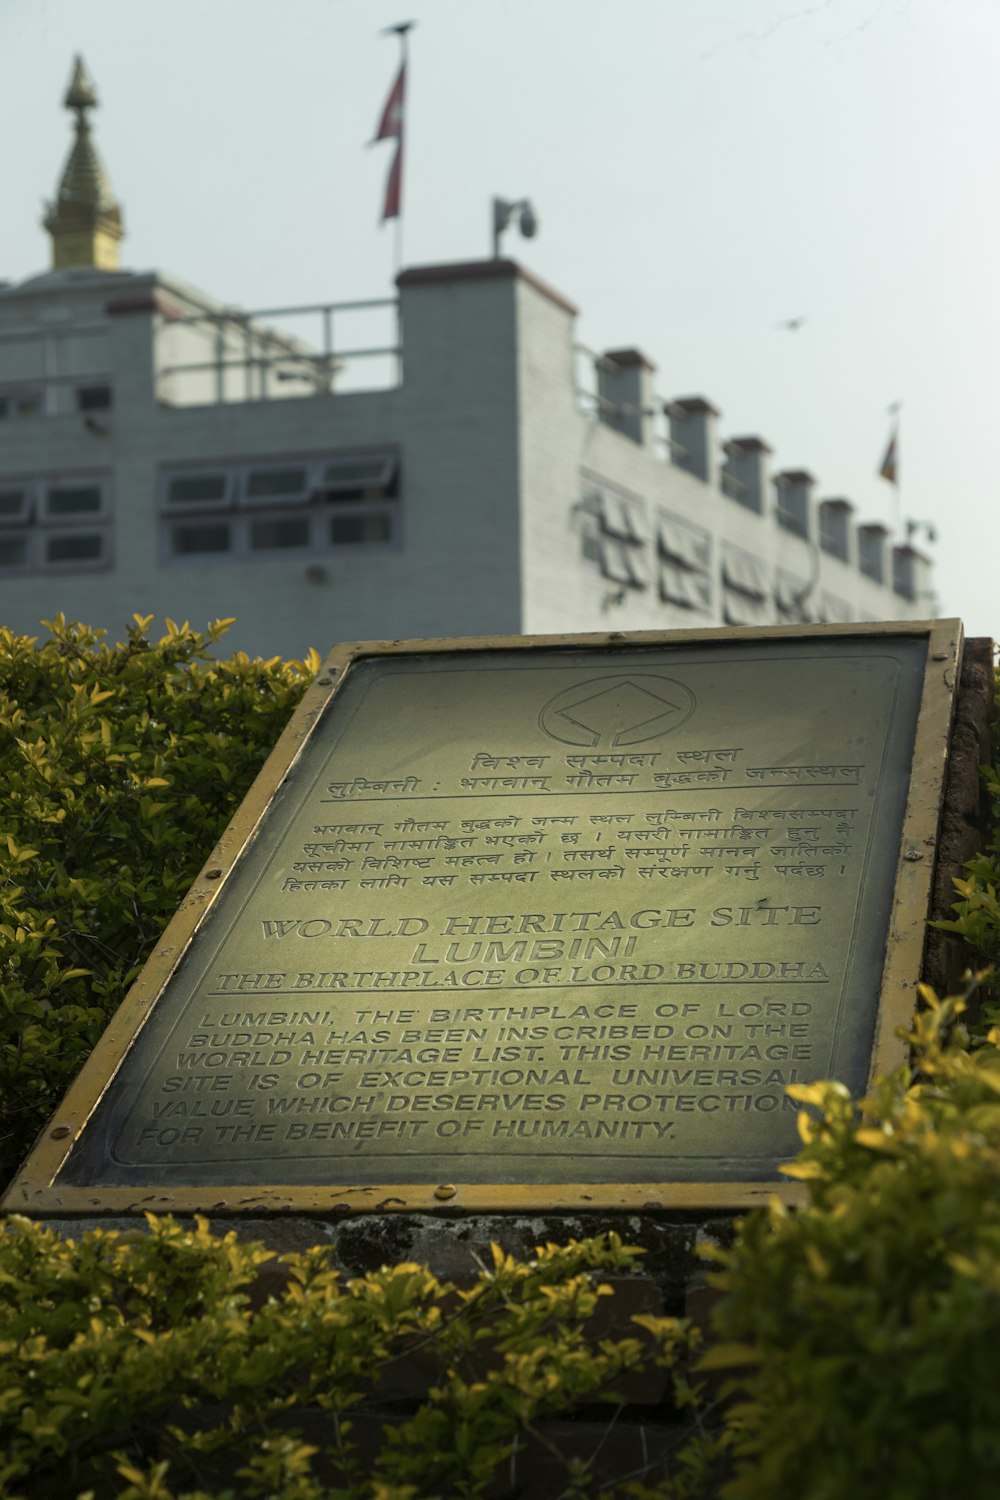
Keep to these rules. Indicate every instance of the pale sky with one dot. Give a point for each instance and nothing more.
(702, 170)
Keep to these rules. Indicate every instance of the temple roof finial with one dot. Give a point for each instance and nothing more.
(81, 93)
(85, 221)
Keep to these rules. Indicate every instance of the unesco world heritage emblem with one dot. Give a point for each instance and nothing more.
(532, 924)
(629, 710)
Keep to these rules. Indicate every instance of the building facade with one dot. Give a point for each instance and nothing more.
(471, 472)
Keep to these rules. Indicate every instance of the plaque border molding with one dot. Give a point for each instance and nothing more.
(34, 1191)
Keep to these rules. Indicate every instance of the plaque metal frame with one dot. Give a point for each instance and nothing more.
(35, 1191)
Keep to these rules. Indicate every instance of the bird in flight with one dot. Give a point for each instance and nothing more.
(791, 324)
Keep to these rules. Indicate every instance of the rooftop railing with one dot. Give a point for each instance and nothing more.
(246, 358)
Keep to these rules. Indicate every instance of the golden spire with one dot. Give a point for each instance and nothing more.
(85, 222)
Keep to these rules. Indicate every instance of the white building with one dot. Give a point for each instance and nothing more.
(162, 453)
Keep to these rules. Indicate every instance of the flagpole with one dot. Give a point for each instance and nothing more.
(402, 31)
(890, 467)
(894, 411)
(404, 50)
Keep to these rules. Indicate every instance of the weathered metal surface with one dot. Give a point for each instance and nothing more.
(527, 923)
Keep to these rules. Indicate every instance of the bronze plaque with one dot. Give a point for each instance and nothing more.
(533, 922)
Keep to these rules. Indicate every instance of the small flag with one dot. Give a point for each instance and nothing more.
(391, 122)
(390, 127)
(392, 207)
(890, 463)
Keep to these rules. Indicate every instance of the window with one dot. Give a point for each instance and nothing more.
(93, 397)
(622, 563)
(746, 593)
(20, 403)
(620, 517)
(13, 551)
(613, 534)
(60, 501)
(73, 546)
(59, 524)
(252, 511)
(684, 553)
(616, 514)
(209, 489)
(287, 531)
(794, 598)
(354, 529)
(741, 609)
(744, 573)
(362, 478)
(680, 542)
(263, 486)
(591, 547)
(16, 505)
(213, 536)
(689, 590)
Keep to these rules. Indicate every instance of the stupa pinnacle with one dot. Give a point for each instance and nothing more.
(85, 222)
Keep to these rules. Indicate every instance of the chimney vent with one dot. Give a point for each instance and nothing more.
(693, 440)
(872, 540)
(835, 531)
(911, 576)
(625, 388)
(744, 474)
(794, 510)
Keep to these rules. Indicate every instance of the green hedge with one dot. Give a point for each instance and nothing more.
(133, 1367)
(120, 766)
(862, 1334)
